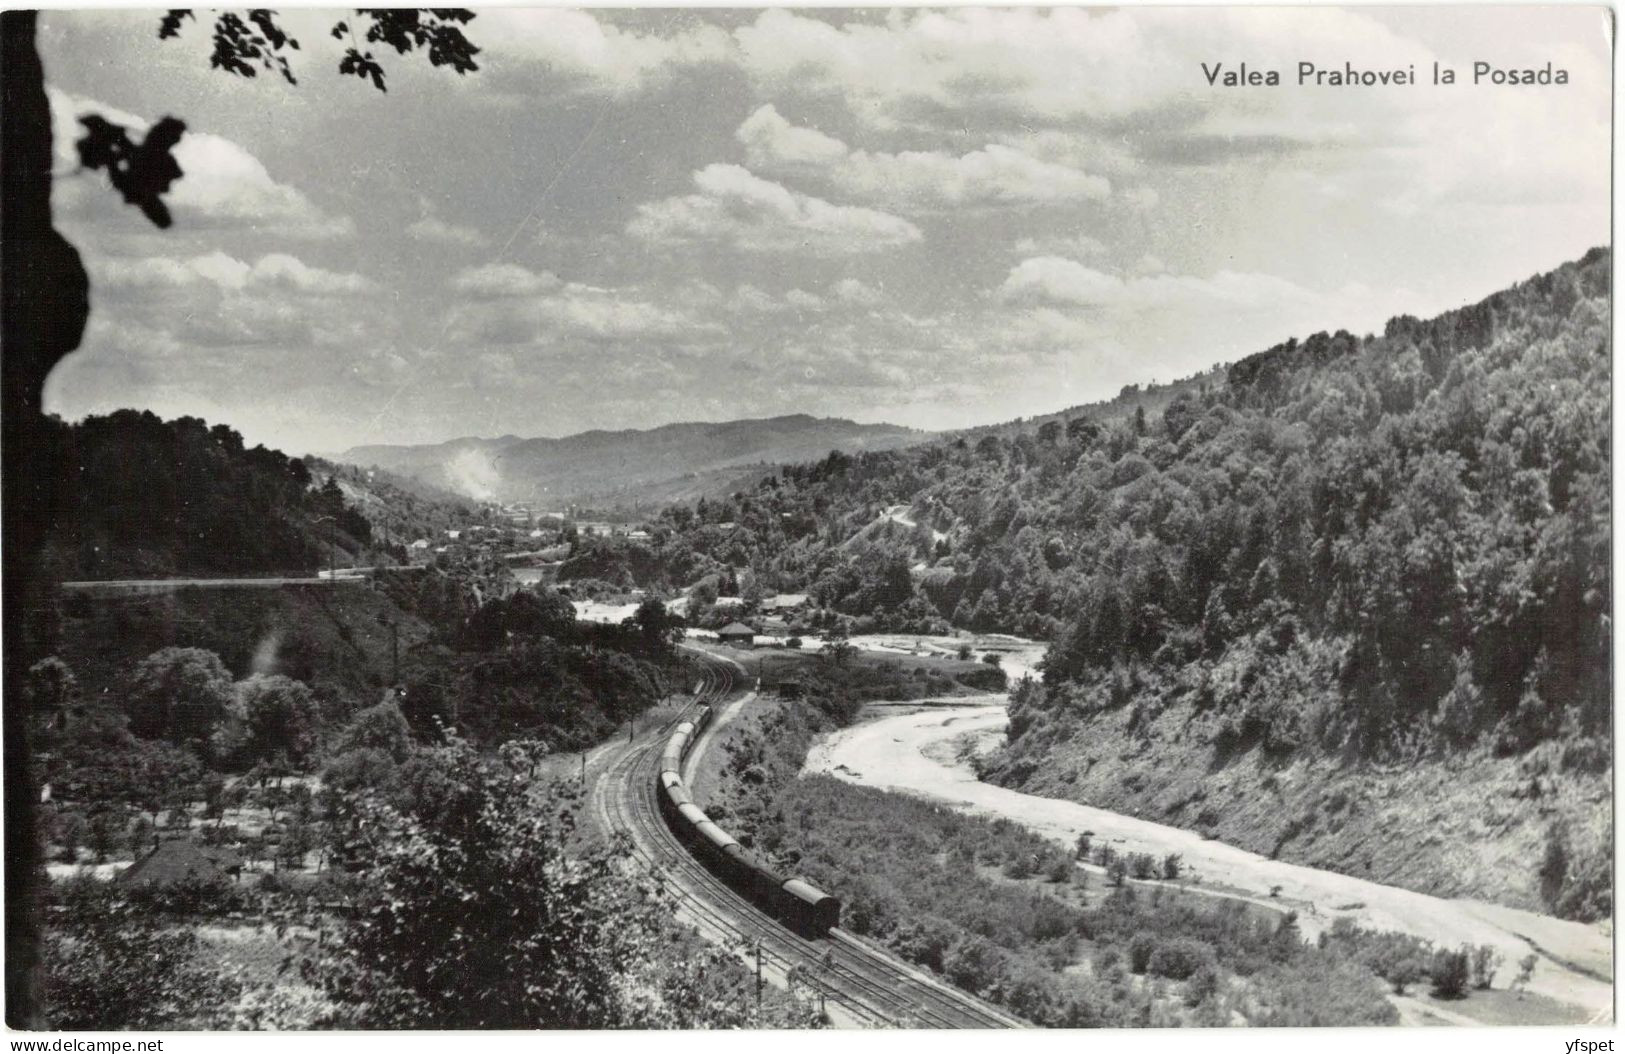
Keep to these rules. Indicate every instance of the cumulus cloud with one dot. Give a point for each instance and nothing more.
(273, 271)
(1055, 280)
(436, 231)
(516, 307)
(499, 280)
(1071, 245)
(594, 54)
(735, 207)
(994, 175)
(852, 291)
(223, 185)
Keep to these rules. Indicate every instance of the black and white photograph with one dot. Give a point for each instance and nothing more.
(797, 519)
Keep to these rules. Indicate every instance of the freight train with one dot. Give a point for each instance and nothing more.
(805, 907)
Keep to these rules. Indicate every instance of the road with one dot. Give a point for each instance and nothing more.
(859, 985)
(138, 586)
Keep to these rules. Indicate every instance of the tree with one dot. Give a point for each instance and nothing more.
(178, 693)
(281, 717)
(484, 911)
(1554, 866)
(111, 965)
(1449, 973)
(1526, 970)
(52, 688)
(382, 728)
(658, 629)
(44, 306)
(837, 649)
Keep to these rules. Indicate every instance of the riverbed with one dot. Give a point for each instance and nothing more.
(925, 751)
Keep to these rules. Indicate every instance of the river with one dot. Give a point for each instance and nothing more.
(921, 750)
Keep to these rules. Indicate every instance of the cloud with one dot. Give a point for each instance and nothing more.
(992, 176)
(272, 272)
(499, 280)
(852, 291)
(518, 308)
(1073, 245)
(735, 207)
(1142, 198)
(594, 54)
(222, 186)
(1045, 65)
(436, 231)
(1054, 280)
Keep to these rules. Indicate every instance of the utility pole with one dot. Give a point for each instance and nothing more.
(332, 542)
(394, 646)
(758, 975)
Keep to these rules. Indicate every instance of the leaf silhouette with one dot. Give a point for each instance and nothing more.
(141, 173)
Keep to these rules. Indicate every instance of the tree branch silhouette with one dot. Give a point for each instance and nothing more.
(44, 307)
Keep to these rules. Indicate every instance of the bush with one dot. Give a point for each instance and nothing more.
(1143, 866)
(1180, 958)
(1116, 871)
(1171, 866)
(1018, 865)
(1449, 972)
(1485, 961)
(1083, 846)
(1140, 947)
(1202, 985)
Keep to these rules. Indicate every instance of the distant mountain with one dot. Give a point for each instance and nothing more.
(628, 467)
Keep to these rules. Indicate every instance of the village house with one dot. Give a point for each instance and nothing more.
(737, 634)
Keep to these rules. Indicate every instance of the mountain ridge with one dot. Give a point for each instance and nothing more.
(626, 466)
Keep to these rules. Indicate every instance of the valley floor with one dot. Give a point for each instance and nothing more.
(925, 750)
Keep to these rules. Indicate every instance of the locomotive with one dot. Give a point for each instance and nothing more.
(805, 907)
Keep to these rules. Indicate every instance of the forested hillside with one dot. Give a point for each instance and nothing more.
(137, 496)
(1377, 549)
(401, 509)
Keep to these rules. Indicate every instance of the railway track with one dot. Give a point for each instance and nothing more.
(856, 981)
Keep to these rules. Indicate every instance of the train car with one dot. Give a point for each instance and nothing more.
(810, 908)
(800, 904)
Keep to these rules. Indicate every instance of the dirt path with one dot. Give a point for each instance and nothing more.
(920, 753)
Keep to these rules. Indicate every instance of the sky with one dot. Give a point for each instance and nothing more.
(930, 217)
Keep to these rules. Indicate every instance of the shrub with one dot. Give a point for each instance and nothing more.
(1180, 958)
(1485, 961)
(1116, 871)
(1143, 866)
(1449, 972)
(1140, 947)
(1526, 970)
(1554, 867)
(1202, 985)
(1018, 864)
(1171, 866)
(1083, 846)
(1060, 869)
